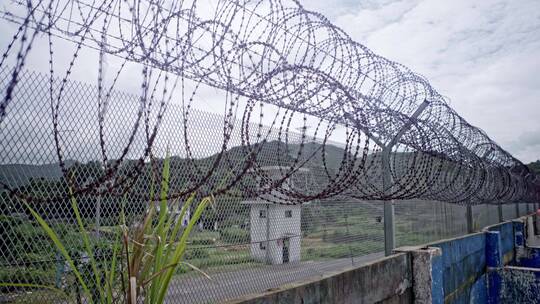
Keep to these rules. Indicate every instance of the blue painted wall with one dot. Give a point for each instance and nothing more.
(506, 231)
(473, 265)
(479, 291)
(464, 264)
(437, 275)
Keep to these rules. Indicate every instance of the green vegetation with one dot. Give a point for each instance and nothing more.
(337, 251)
(535, 167)
(235, 235)
(218, 259)
(142, 260)
(214, 251)
(337, 230)
(41, 296)
(204, 237)
(31, 258)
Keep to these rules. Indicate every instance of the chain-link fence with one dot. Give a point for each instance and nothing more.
(241, 245)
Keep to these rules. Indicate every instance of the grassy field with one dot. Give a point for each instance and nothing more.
(343, 237)
(330, 233)
(34, 296)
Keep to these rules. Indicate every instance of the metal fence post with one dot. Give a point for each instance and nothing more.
(98, 214)
(500, 212)
(470, 228)
(389, 225)
(267, 243)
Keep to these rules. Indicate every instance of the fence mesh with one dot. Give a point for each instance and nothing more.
(241, 245)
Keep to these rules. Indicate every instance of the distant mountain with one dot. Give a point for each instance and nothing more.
(16, 175)
(273, 153)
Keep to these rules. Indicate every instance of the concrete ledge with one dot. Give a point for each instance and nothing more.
(427, 269)
(387, 280)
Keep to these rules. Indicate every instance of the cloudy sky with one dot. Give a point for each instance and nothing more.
(482, 54)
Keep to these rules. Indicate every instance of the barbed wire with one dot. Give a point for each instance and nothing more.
(401, 139)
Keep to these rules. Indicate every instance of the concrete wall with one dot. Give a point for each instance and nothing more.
(387, 280)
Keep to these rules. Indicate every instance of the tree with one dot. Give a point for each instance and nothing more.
(535, 167)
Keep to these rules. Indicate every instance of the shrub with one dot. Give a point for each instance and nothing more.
(202, 242)
(34, 274)
(338, 236)
(196, 253)
(29, 256)
(235, 235)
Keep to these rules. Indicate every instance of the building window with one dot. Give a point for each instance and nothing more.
(262, 246)
(262, 213)
(288, 213)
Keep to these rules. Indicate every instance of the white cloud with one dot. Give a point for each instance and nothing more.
(483, 54)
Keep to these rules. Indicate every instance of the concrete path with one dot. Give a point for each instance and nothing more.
(229, 285)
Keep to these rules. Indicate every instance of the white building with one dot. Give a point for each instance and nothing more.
(275, 232)
(185, 219)
(275, 229)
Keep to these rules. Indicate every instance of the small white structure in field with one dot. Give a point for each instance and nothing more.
(185, 219)
(274, 228)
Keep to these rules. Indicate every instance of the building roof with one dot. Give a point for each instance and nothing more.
(275, 198)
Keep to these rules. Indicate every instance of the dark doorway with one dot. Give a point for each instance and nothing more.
(286, 245)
